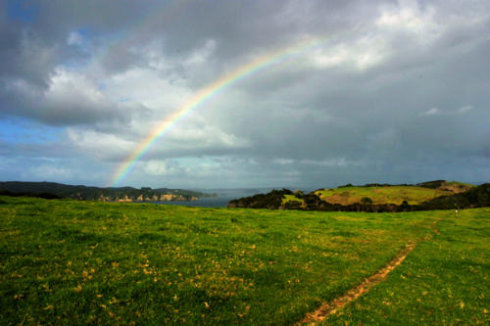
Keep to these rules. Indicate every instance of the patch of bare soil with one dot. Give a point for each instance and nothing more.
(343, 198)
(454, 188)
(433, 228)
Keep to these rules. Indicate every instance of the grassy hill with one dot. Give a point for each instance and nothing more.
(75, 262)
(388, 194)
(413, 195)
(438, 194)
(452, 186)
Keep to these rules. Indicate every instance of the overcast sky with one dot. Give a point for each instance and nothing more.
(392, 91)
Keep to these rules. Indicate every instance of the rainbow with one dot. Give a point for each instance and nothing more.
(205, 94)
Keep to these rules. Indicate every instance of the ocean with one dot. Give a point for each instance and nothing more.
(224, 196)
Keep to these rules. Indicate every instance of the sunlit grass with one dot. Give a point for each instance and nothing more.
(380, 195)
(444, 281)
(89, 262)
(289, 198)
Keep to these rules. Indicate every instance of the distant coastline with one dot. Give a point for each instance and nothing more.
(52, 190)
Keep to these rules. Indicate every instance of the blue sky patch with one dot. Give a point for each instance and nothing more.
(20, 131)
(21, 10)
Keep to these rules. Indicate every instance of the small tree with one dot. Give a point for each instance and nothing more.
(366, 201)
(405, 206)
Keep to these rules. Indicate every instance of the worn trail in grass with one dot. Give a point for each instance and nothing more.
(332, 307)
(444, 281)
(87, 262)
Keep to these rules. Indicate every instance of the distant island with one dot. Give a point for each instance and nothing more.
(438, 194)
(52, 190)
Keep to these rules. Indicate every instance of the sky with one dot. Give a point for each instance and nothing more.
(321, 93)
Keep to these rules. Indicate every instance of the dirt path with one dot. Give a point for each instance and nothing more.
(330, 308)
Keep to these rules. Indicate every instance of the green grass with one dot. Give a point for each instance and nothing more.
(380, 195)
(289, 198)
(70, 262)
(458, 183)
(444, 281)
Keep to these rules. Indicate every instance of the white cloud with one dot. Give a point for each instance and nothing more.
(50, 172)
(99, 145)
(409, 17)
(200, 55)
(361, 54)
(331, 162)
(198, 133)
(65, 86)
(148, 88)
(436, 111)
(465, 109)
(431, 111)
(160, 168)
(69, 98)
(182, 167)
(74, 38)
(362, 49)
(283, 161)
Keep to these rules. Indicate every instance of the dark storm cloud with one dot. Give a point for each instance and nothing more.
(21, 56)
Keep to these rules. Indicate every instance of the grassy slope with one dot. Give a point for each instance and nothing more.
(288, 198)
(444, 281)
(462, 184)
(80, 262)
(380, 195)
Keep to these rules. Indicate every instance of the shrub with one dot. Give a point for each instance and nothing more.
(366, 200)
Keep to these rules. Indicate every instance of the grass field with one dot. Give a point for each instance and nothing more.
(380, 195)
(446, 281)
(108, 263)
